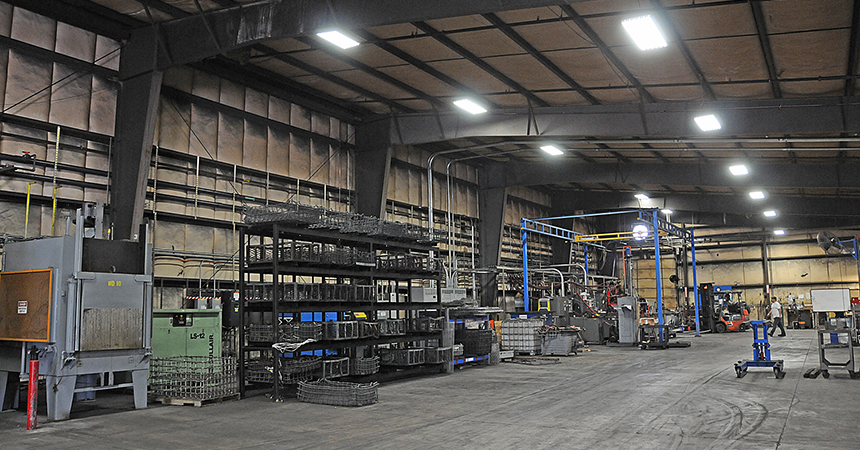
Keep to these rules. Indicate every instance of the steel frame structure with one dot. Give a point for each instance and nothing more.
(646, 216)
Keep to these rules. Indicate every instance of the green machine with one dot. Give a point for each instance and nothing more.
(186, 332)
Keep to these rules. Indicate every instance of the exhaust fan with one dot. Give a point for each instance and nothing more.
(830, 244)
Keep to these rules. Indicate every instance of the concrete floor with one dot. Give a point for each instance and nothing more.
(609, 398)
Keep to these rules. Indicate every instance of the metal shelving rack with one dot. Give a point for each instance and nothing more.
(275, 272)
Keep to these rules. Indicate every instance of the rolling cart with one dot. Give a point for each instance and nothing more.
(761, 353)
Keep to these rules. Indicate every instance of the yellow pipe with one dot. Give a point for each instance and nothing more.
(56, 161)
(27, 210)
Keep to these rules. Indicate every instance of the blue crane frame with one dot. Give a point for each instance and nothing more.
(648, 216)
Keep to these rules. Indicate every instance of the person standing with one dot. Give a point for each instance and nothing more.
(775, 313)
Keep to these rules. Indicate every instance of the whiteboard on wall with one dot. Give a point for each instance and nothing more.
(829, 300)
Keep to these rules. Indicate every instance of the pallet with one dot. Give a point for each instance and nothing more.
(526, 352)
(198, 403)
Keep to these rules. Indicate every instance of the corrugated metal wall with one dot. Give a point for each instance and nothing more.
(220, 145)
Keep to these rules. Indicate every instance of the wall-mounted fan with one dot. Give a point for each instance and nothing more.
(829, 242)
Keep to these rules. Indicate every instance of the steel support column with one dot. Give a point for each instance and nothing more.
(765, 272)
(137, 109)
(695, 281)
(372, 161)
(491, 204)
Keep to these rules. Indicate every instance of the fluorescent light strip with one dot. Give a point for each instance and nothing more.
(644, 32)
(667, 212)
(739, 169)
(470, 106)
(770, 213)
(708, 123)
(641, 196)
(552, 150)
(337, 38)
(779, 232)
(756, 195)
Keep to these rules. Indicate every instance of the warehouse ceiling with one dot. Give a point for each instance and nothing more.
(569, 58)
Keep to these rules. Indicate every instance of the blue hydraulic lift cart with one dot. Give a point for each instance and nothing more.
(761, 352)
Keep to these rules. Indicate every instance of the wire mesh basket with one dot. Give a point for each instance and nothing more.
(476, 342)
(401, 356)
(260, 371)
(293, 251)
(301, 368)
(340, 330)
(438, 355)
(392, 327)
(193, 377)
(435, 324)
(260, 333)
(368, 329)
(338, 393)
(364, 366)
(418, 325)
(335, 367)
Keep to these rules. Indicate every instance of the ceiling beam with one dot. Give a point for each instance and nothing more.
(278, 85)
(740, 118)
(797, 211)
(421, 65)
(764, 40)
(331, 52)
(540, 57)
(483, 65)
(763, 175)
(614, 60)
(187, 39)
(326, 75)
(83, 14)
(669, 27)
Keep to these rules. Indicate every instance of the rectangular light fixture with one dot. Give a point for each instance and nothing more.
(641, 196)
(552, 150)
(470, 106)
(770, 213)
(337, 38)
(708, 123)
(756, 195)
(644, 32)
(667, 212)
(739, 169)
(779, 232)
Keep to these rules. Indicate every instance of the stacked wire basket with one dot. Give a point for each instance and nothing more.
(338, 393)
(521, 335)
(476, 342)
(193, 377)
(317, 217)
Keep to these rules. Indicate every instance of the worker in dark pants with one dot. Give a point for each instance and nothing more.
(775, 313)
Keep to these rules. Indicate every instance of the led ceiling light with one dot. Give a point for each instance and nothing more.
(708, 123)
(756, 195)
(640, 232)
(739, 169)
(337, 38)
(552, 150)
(644, 32)
(641, 196)
(470, 106)
(779, 232)
(770, 213)
(667, 212)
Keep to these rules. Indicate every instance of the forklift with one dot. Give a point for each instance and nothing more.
(719, 312)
